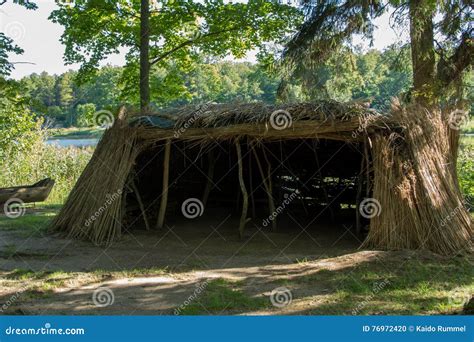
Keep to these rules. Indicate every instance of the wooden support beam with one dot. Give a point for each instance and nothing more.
(140, 203)
(245, 202)
(268, 186)
(359, 195)
(252, 196)
(164, 192)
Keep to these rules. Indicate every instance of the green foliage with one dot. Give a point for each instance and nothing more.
(39, 160)
(7, 46)
(466, 169)
(16, 121)
(55, 112)
(374, 76)
(180, 33)
(377, 76)
(330, 26)
(85, 114)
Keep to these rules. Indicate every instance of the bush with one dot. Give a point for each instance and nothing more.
(16, 121)
(64, 165)
(85, 114)
(466, 169)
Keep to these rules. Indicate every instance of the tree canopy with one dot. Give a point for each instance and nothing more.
(180, 32)
(440, 38)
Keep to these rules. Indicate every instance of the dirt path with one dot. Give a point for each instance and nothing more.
(162, 294)
(158, 272)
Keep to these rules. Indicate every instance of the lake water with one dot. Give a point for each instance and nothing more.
(93, 141)
(72, 142)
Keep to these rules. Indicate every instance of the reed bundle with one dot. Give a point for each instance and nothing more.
(415, 182)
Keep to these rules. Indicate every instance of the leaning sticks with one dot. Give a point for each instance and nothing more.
(164, 192)
(245, 203)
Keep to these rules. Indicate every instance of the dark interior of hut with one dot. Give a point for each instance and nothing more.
(310, 181)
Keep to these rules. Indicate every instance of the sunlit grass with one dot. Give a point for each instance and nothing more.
(219, 296)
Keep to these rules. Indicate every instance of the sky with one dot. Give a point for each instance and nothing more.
(39, 38)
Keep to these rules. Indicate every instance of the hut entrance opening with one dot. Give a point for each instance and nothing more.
(284, 185)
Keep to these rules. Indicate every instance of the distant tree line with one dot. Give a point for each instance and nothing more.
(373, 76)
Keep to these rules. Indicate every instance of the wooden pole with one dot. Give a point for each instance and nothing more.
(267, 185)
(359, 196)
(252, 196)
(140, 203)
(243, 217)
(164, 193)
(270, 185)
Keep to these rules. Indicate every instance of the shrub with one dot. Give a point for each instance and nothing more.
(64, 165)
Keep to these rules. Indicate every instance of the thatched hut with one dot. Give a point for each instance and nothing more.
(396, 171)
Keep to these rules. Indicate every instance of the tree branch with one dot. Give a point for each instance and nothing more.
(451, 69)
(190, 42)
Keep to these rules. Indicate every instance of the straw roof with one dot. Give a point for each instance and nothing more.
(328, 119)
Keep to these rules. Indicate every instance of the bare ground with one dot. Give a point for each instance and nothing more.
(156, 272)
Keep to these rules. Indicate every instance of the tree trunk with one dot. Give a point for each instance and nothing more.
(422, 51)
(144, 55)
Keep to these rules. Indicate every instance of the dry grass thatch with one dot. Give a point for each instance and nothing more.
(414, 176)
(323, 119)
(415, 182)
(94, 208)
